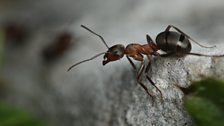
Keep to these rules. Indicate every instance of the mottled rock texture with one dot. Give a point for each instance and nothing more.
(94, 95)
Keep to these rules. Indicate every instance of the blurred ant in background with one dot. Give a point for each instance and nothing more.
(16, 33)
(58, 48)
(171, 42)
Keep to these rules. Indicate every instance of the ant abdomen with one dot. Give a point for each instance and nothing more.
(173, 42)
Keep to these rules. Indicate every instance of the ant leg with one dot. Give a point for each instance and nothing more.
(131, 62)
(194, 54)
(164, 55)
(139, 74)
(167, 54)
(198, 54)
(177, 29)
(168, 27)
(149, 64)
(149, 79)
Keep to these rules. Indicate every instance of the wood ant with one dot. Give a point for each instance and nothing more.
(16, 34)
(170, 42)
(56, 50)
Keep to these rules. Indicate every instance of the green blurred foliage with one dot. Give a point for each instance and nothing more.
(1, 47)
(205, 102)
(11, 116)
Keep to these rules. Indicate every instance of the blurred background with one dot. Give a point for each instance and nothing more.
(40, 39)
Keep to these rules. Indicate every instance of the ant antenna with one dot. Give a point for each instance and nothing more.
(96, 35)
(198, 54)
(85, 61)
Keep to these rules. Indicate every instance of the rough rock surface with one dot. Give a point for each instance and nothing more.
(127, 104)
(110, 96)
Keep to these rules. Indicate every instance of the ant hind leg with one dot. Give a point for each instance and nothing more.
(177, 29)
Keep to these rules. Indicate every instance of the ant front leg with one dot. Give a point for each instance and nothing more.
(139, 73)
(131, 62)
(148, 65)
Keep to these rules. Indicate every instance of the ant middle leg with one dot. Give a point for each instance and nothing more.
(139, 74)
(167, 54)
(149, 79)
(149, 64)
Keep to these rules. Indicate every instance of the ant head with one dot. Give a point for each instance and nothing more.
(114, 53)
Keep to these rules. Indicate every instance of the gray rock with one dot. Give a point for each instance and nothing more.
(109, 96)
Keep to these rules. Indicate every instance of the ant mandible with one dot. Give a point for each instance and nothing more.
(170, 42)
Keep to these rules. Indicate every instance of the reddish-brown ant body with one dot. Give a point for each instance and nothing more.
(168, 41)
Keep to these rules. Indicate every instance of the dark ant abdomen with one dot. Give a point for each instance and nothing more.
(170, 41)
